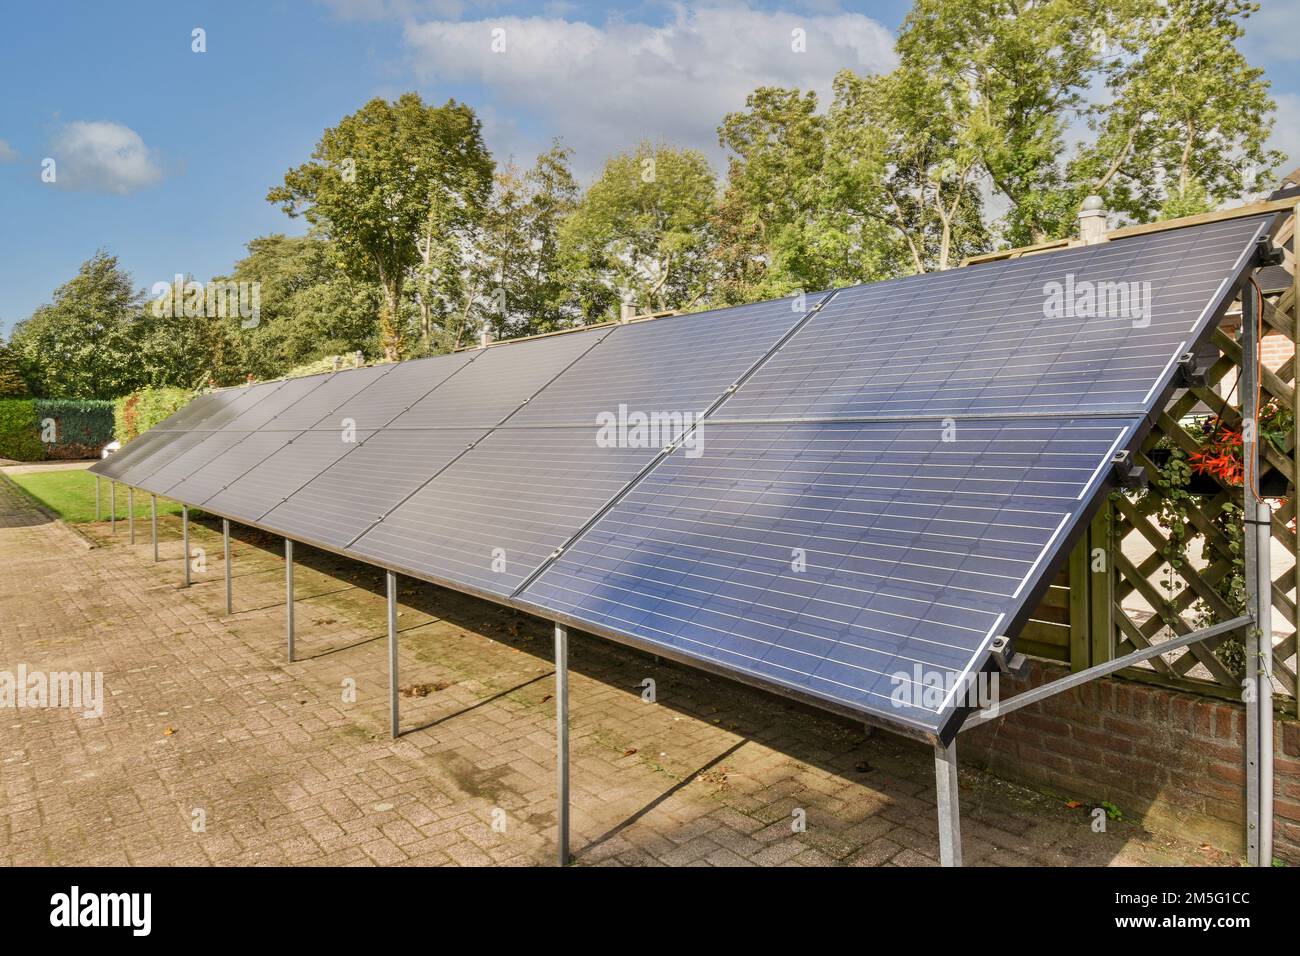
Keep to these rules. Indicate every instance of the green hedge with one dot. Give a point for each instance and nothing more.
(82, 426)
(135, 414)
(20, 433)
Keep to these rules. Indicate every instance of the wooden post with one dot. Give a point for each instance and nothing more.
(1080, 606)
(1101, 587)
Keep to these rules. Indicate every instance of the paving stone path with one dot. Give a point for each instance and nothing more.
(213, 750)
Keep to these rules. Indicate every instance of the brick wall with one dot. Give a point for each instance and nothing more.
(1275, 349)
(1171, 760)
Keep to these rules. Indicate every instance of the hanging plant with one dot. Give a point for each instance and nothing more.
(1220, 455)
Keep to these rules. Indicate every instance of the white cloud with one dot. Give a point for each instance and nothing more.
(604, 88)
(102, 157)
(7, 153)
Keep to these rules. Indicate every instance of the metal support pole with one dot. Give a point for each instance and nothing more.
(153, 524)
(288, 594)
(945, 780)
(562, 742)
(1113, 666)
(130, 512)
(112, 507)
(97, 499)
(1259, 637)
(1264, 598)
(185, 541)
(225, 535)
(392, 654)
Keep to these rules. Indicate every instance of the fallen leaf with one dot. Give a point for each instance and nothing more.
(628, 753)
(1073, 804)
(169, 731)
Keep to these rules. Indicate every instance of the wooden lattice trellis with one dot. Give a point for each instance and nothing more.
(1120, 592)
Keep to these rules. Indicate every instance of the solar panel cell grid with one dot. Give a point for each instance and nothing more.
(498, 382)
(359, 488)
(978, 340)
(227, 406)
(834, 557)
(323, 402)
(404, 385)
(178, 444)
(224, 468)
(281, 474)
(490, 519)
(678, 364)
(132, 453)
(856, 521)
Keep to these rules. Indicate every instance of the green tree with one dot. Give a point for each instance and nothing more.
(504, 274)
(13, 383)
(640, 233)
(84, 343)
(373, 181)
(518, 269)
(309, 306)
(899, 158)
(1186, 127)
(176, 350)
(1012, 75)
(773, 236)
(1179, 129)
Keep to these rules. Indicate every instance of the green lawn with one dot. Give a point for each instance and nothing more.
(71, 495)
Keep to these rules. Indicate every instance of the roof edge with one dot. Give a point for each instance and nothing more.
(1126, 232)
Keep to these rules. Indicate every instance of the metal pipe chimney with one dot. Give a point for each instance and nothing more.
(1092, 221)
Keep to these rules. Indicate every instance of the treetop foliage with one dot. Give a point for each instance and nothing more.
(1000, 117)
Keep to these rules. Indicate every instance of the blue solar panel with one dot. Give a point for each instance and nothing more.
(849, 561)
(679, 364)
(890, 475)
(404, 384)
(500, 380)
(988, 339)
(238, 455)
(356, 491)
(282, 473)
(491, 518)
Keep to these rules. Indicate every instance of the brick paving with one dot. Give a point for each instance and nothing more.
(206, 723)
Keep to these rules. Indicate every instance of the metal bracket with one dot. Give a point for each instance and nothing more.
(1194, 366)
(1128, 475)
(1268, 254)
(1009, 661)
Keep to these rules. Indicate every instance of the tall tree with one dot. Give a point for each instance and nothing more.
(373, 181)
(510, 280)
(1179, 129)
(518, 254)
(1014, 73)
(1186, 126)
(310, 307)
(83, 344)
(771, 228)
(173, 348)
(640, 233)
(899, 158)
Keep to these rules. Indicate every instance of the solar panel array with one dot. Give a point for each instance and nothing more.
(844, 495)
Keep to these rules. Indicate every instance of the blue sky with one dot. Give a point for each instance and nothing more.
(165, 155)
